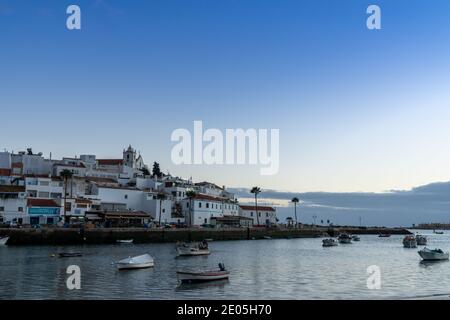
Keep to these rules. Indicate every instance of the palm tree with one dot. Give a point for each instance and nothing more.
(295, 201)
(256, 191)
(66, 175)
(191, 194)
(161, 196)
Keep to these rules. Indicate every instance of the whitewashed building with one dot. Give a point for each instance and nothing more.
(13, 204)
(266, 215)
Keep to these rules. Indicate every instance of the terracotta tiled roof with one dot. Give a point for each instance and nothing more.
(42, 203)
(84, 201)
(201, 196)
(11, 189)
(260, 208)
(5, 172)
(110, 162)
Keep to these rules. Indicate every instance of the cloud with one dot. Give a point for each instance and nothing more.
(427, 203)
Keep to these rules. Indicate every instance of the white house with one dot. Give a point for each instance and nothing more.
(13, 203)
(203, 207)
(266, 215)
(44, 187)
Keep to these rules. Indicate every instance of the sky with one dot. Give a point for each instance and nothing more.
(358, 110)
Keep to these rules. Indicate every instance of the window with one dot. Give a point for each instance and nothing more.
(207, 205)
(43, 194)
(174, 193)
(206, 220)
(251, 214)
(187, 204)
(267, 214)
(163, 210)
(20, 209)
(44, 183)
(126, 196)
(2, 209)
(259, 214)
(199, 204)
(68, 206)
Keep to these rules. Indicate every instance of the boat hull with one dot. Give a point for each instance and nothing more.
(189, 251)
(430, 256)
(192, 277)
(125, 266)
(138, 262)
(3, 241)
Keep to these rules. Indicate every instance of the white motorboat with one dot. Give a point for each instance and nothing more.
(267, 237)
(433, 255)
(329, 242)
(438, 232)
(409, 242)
(356, 238)
(3, 241)
(203, 276)
(193, 249)
(384, 235)
(125, 241)
(138, 262)
(421, 240)
(345, 238)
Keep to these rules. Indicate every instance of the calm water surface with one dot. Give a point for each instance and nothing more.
(260, 269)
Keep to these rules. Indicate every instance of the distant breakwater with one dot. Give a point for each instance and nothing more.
(75, 236)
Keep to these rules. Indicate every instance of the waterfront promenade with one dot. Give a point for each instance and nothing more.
(73, 236)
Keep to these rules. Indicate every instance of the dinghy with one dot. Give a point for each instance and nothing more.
(433, 255)
(3, 241)
(384, 235)
(69, 254)
(355, 238)
(193, 249)
(138, 262)
(203, 276)
(125, 241)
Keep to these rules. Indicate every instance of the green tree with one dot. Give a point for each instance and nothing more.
(295, 201)
(156, 170)
(66, 175)
(256, 191)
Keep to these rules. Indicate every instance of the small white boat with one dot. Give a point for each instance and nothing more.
(384, 235)
(3, 241)
(125, 241)
(138, 262)
(438, 232)
(356, 238)
(433, 255)
(409, 242)
(329, 242)
(193, 249)
(345, 238)
(421, 240)
(203, 276)
(267, 237)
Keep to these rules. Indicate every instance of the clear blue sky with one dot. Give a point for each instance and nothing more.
(357, 110)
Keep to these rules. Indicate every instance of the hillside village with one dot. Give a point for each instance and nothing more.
(118, 192)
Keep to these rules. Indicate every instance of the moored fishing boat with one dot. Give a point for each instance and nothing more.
(3, 241)
(355, 238)
(345, 238)
(329, 242)
(409, 241)
(438, 232)
(421, 240)
(138, 262)
(203, 276)
(433, 255)
(193, 249)
(384, 235)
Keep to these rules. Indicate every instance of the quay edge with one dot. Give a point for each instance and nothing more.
(75, 236)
